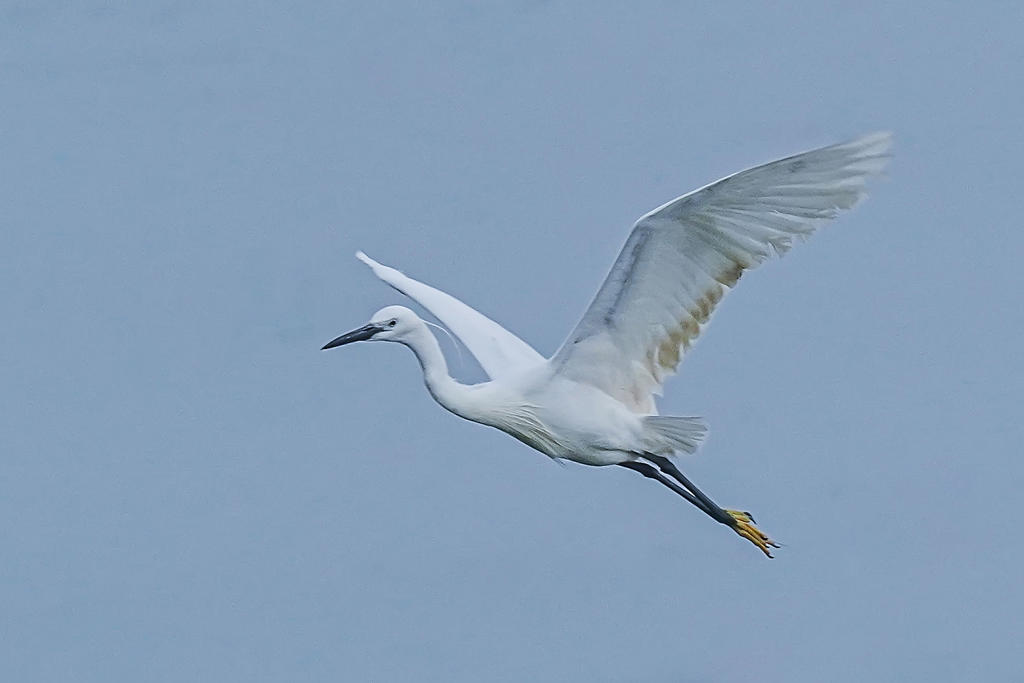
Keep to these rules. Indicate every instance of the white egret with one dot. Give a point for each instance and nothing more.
(593, 401)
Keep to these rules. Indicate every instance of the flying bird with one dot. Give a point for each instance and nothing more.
(593, 401)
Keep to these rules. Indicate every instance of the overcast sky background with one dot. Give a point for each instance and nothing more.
(191, 490)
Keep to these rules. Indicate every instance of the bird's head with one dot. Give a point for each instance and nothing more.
(393, 323)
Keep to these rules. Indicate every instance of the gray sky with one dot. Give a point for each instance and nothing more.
(191, 490)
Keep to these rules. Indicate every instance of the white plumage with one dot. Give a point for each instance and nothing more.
(593, 401)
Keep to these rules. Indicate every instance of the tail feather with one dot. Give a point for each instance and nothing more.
(669, 434)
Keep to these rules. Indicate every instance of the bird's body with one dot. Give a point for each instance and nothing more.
(592, 402)
(559, 417)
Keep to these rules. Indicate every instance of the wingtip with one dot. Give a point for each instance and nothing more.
(870, 153)
(378, 269)
(877, 135)
(361, 255)
(883, 137)
(878, 142)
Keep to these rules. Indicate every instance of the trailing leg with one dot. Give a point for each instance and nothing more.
(740, 522)
(668, 467)
(652, 472)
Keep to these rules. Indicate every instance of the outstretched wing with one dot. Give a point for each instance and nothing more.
(498, 351)
(683, 257)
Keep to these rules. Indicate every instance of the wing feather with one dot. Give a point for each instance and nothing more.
(498, 351)
(683, 257)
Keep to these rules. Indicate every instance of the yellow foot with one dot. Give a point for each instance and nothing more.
(745, 527)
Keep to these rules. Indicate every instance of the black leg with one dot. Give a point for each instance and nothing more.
(669, 468)
(652, 472)
(740, 522)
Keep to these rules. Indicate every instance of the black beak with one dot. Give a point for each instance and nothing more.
(362, 334)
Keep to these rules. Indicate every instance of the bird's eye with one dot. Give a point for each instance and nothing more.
(392, 323)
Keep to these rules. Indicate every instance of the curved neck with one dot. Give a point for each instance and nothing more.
(450, 394)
